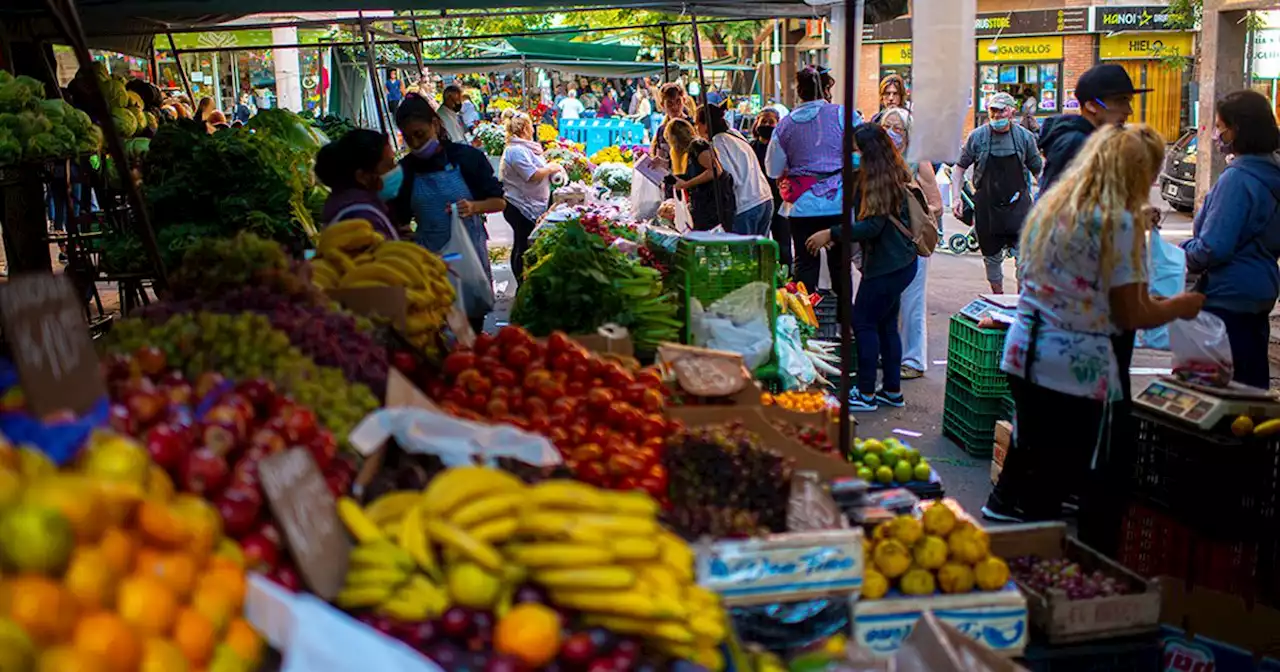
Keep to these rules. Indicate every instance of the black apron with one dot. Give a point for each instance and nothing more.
(998, 217)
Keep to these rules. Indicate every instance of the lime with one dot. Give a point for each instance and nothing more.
(884, 475)
(856, 455)
(902, 471)
(891, 443)
(866, 474)
(857, 465)
(923, 471)
(889, 458)
(873, 446)
(911, 455)
(871, 460)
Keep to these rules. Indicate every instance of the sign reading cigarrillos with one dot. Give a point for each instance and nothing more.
(1011, 49)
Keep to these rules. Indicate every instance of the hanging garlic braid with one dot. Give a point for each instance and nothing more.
(1112, 176)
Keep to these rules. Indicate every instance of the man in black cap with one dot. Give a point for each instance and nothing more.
(1106, 96)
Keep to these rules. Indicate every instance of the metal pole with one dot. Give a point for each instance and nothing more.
(417, 42)
(68, 18)
(666, 73)
(702, 93)
(155, 67)
(182, 72)
(524, 86)
(852, 40)
(378, 98)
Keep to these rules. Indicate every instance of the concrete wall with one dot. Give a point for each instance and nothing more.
(1222, 55)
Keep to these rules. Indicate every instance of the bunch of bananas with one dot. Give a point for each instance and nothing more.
(794, 299)
(653, 315)
(599, 552)
(351, 254)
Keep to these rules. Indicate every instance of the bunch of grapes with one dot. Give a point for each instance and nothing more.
(724, 483)
(213, 266)
(245, 346)
(329, 337)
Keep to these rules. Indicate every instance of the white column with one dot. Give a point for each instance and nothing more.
(288, 72)
(836, 50)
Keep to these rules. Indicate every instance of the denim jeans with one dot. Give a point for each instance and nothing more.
(754, 222)
(875, 326)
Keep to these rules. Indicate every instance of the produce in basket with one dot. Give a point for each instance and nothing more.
(889, 462)
(936, 552)
(475, 553)
(32, 129)
(1043, 574)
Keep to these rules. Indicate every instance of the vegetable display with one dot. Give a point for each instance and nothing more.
(333, 126)
(33, 129)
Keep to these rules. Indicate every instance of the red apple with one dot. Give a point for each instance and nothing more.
(323, 448)
(205, 473)
(120, 367)
(287, 576)
(299, 425)
(207, 382)
(121, 420)
(151, 361)
(404, 362)
(168, 446)
(178, 394)
(578, 649)
(260, 553)
(246, 467)
(259, 392)
(146, 406)
(239, 506)
(269, 440)
(220, 436)
(236, 414)
(338, 484)
(269, 530)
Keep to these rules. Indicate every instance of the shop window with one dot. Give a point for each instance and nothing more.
(1035, 85)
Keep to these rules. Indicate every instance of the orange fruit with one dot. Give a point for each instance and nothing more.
(162, 655)
(91, 579)
(202, 521)
(215, 604)
(64, 658)
(41, 606)
(228, 552)
(147, 604)
(159, 485)
(110, 639)
(530, 632)
(194, 635)
(176, 570)
(228, 581)
(160, 525)
(118, 548)
(245, 641)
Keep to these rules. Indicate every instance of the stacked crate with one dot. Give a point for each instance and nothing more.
(977, 390)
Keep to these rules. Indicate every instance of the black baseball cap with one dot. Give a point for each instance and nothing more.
(1103, 81)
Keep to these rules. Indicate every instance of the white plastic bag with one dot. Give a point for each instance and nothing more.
(645, 197)
(1201, 351)
(684, 219)
(738, 322)
(456, 442)
(796, 368)
(1168, 273)
(475, 291)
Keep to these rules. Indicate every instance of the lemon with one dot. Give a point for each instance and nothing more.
(917, 582)
(36, 539)
(873, 446)
(866, 474)
(1242, 426)
(954, 577)
(891, 558)
(930, 552)
(871, 461)
(884, 475)
(889, 458)
(470, 585)
(968, 544)
(939, 520)
(911, 455)
(874, 584)
(991, 573)
(906, 529)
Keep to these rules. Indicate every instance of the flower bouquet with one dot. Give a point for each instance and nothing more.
(608, 155)
(616, 177)
(575, 163)
(547, 134)
(492, 138)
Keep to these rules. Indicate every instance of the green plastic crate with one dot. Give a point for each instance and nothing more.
(983, 383)
(710, 270)
(971, 418)
(974, 441)
(980, 349)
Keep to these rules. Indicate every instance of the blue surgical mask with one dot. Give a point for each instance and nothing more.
(897, 137)
(428, 149)
(1000, 124)
(391, 181)
(1223, 145)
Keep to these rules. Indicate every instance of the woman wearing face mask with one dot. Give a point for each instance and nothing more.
(440, 175)
(761, 134)
(1236, 236)
(915, 347)
(361, 172)
(526, 178)
(889, 257)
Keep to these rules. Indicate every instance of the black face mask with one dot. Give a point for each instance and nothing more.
(764, 132)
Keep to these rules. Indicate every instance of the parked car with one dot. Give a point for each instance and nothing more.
(1178, 179)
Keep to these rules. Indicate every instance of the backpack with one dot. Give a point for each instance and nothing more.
(923, 230)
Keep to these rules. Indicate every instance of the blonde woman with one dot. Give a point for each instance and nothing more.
(696, 171)
(526, 182)
(1084, 280)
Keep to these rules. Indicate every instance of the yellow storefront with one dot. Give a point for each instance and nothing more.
(895, 59)
(1022, 67)
(1148, 57)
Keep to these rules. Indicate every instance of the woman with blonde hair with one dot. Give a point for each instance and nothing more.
(698, 172)
(1084, 280)
(526, 181)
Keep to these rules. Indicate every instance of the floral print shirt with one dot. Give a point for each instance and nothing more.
(1070, 291)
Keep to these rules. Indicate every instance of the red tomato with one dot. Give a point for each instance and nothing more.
(654, 426)
(534, 378)
(558, 435)
(561, 361)
(599, 398)
(479, 385)
(633, 393)
(624, 465)
(587, 452)
(598, 434)
(535, 406)
(550, 390)
(578, 432)
(539, 423)
(497, 407)
(519, 357)
(593, 473)
(646, 454)
(655, 487)
(616, 414)
(571, 465)
(618, 377)
(457, 397)
(575, 388)
(436, 389)
(512, 335)
(652, 401)
(559, 342)
(503, 376)
(628, 483)
(478, 402)
(563, 406)
(580, 373)
(484, 342)
(458, 361)
(649, 377)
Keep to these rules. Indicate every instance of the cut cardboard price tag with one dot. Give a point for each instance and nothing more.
(308, 516)
(45, 326)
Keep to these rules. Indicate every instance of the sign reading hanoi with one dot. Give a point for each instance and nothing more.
(1116, 19)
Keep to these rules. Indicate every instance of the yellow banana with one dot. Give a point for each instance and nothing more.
(459, 540)
(339, 260)
(566, 494)
(358, 524)
(586, 578)
(659, 580)
(380, 553)
(355, 241)
(628, 549)
(391, 506)
(456, 486)
(363, 596)
(553, 554)
(618, 524)
(670, 631)
(631, 503)
(1267, 428)
(362, 259)
(677, 555)
(707, 627)
(623, 603)
(376, 577)
(558, 525)
(412, 251)
(406, 268)
(486, 508)
(345, 227)
(421, 323)
(322, 267)
(375, 272)
(497, 530)
(409, 610)
(413, 539)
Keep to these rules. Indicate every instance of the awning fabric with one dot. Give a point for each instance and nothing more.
(460, 66)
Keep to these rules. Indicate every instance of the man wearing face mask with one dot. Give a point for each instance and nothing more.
(1004, 158)
(780, 228)
(361, 173)
(1105, 93)
(451, 114)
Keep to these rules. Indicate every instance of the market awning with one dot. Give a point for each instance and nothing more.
(460, 66)
(528, 47)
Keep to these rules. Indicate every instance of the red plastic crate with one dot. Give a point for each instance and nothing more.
(1155, 544)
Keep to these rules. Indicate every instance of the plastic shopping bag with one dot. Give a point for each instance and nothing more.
(1201, 351)
(475, 291)
(455, 441)
(1168, 271)
(645, 197)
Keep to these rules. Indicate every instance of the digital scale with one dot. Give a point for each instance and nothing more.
(999, 307)
(1204, 406)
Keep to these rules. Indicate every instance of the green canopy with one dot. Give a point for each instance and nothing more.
(459, 66)
(530, 48)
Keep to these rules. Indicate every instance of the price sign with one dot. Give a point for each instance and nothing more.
(308, 516)
(44, 324)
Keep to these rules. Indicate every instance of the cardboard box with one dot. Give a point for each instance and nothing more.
(806, 459)
(937, 646)
(1004, 437)
(1063, 620)
(1210, 630)
(789, 567)
(997, 619)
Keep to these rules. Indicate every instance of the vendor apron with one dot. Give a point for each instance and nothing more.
(998, 217)
(432, 194)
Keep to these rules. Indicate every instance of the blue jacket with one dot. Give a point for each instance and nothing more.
(1236, 241)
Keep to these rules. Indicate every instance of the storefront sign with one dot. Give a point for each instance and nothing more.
(1009, 49)
(895, 53)
(1145, 45)
(1145, 17)
(1038, 22)
(1266, 54)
